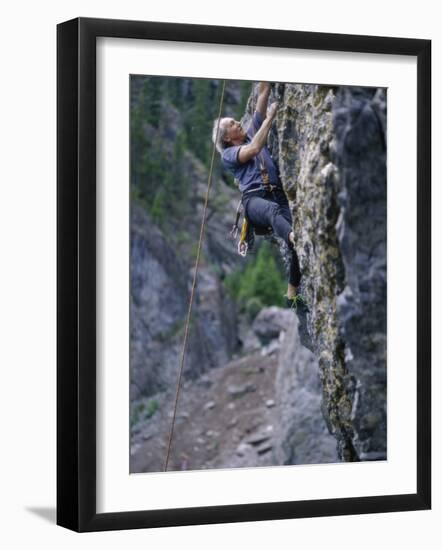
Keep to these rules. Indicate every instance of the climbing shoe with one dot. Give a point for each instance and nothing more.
(297, 303)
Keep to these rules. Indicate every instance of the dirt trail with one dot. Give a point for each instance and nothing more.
(225, 419)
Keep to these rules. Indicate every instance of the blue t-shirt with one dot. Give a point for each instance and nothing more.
(249, 173)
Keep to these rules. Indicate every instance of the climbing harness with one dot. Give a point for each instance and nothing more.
(248, 231)
(195, 273)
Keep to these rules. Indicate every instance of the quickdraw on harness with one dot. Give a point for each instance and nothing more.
(246, 237)
(248, 231)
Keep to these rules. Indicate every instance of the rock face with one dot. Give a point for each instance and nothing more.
(303, 437)
(157, 308)
(330, 143)
(160, 292)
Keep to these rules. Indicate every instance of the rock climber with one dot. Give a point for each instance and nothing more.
(246, 156)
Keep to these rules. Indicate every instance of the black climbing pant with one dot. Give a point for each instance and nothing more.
(266, 209)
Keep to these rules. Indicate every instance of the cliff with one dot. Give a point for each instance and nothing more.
(331, 146)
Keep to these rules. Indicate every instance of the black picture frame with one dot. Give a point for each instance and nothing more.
(76, 274)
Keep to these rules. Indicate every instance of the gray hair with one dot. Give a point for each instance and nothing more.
(219, 142)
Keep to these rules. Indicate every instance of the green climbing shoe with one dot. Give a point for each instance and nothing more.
(298, 302)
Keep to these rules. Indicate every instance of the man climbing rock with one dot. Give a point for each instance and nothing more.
(245, 154)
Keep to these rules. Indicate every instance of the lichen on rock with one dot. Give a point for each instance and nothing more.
(330, 144)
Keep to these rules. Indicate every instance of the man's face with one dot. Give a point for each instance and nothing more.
(234, 130)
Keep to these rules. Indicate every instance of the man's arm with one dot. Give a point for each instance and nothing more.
(259, 140)
(263, 98)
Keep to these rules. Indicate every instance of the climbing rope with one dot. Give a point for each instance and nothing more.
(189, 312)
